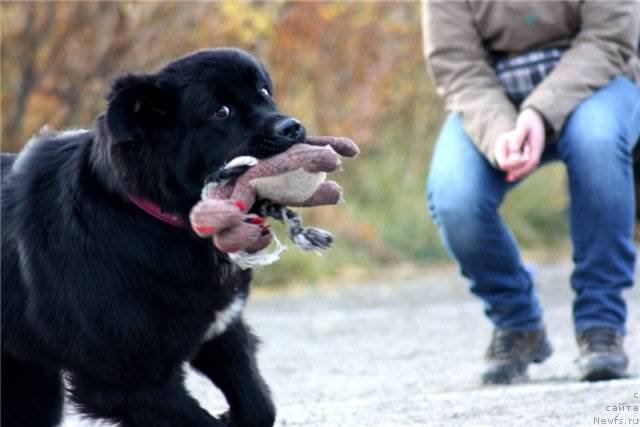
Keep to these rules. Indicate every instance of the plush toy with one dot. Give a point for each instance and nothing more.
(295, 178)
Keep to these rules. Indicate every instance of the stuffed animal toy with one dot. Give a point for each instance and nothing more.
(295, 178)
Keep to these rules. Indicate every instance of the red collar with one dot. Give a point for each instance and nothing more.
(155, 211)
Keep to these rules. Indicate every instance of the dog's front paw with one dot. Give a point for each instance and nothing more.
(227, 418)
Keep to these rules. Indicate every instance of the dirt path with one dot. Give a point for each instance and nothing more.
(409, 353)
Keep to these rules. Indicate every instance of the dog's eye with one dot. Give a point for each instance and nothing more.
(265, 91)
(222, 113)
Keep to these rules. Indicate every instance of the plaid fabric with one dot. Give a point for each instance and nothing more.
(519, 75)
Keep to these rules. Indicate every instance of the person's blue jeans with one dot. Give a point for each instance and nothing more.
(464, 193)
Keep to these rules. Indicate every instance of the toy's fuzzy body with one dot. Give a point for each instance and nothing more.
(295, 187)
(296, 177)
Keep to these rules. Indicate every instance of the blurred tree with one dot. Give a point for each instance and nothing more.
(59, 56)
(56, 58)
(337, 64)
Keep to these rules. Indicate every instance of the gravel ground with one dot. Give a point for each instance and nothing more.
(408, 353)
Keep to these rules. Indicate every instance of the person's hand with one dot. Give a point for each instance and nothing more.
(518, 151)
(510, 151)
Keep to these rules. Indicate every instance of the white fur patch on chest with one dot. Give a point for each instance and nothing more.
(294, 186)
(225, 317)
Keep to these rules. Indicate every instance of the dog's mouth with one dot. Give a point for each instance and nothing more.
(277, 138)
(263, 148)
(232, 169)
(260, 146)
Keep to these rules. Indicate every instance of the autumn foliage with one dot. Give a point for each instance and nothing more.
(336, 65)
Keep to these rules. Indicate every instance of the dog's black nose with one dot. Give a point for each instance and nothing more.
(290, 129)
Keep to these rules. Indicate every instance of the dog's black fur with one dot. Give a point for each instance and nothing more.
(95, 287)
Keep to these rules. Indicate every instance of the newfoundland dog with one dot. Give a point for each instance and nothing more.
(103, 280)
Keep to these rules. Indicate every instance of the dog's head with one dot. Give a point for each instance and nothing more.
(167, 131)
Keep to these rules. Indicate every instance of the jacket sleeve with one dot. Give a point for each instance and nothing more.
(463, 73)
(601, 50)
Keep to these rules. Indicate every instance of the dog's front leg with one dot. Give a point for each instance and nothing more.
(229, 361)
(153, 404)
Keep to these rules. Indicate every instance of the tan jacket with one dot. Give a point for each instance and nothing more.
(461, 36)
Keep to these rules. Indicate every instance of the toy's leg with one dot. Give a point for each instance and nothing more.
(209, 217)
(251, 236)
(329, 193)
(233, 229)
(32, 395)
(229, 361)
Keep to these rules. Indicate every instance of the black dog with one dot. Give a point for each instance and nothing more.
(101, 278)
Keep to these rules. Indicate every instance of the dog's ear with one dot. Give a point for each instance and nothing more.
(139, 105)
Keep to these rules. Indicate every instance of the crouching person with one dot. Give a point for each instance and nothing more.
(526, 83)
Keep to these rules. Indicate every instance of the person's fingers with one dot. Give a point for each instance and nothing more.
(518, 137)
(537, 140)
(535, 123)
(533, 151)
(522, 171)
(501, 150)
(515, 161)
(535, 136)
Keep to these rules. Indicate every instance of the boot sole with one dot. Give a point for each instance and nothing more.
(542, 353)
(603, 374)
(504, 378)
(603, 369)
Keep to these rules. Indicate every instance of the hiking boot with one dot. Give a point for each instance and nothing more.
(602, 355)
(510, 353)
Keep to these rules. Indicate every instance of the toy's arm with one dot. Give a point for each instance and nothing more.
(329, 193)
(343, 146)
(295, 177)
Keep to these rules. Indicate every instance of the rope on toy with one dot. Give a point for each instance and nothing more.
(246, 260)
(306, 238)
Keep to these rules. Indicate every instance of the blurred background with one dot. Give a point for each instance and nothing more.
(343, 68)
